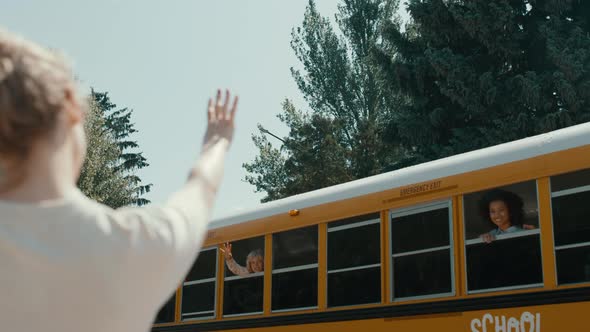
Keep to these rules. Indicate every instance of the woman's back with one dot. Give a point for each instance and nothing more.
(68, 263)
(75, 265)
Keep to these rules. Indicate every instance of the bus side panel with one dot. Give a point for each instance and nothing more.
(547, 318)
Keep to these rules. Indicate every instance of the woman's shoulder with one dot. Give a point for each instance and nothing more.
(495, 231)
(511, 229)
(514, 229)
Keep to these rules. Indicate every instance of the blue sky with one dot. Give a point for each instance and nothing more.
(163, 59)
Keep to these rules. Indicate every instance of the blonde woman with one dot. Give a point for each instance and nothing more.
(254, 261)
(69, 263)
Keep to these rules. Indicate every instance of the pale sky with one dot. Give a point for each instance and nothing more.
(163, 59)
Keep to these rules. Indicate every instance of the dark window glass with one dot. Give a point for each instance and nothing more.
(571, 218)
(204, 267)
(356, 247)
(570, 180)
(427, 272)
(354, 287)
(420, 231)
(422, 274)
(295, 289)
(198, 298)
(504, 263)
(352, 247)
(573, 265)
(354, 220)
(166, 313)
(295, 248)
(297, 286)
(243, 295)
(571, 226)
(241, 249)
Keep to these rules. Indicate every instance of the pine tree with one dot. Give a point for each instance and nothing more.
(342, 136)
(99, 179)
(481, 72)
(111, 129)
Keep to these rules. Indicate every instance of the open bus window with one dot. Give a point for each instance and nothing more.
(570, 197)
(421, 251)
(354, 259)
(502, 240)
(198, 289)
(295, 269)
(244, 277)
(166, 313)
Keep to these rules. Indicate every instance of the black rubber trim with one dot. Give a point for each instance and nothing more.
(451, 306)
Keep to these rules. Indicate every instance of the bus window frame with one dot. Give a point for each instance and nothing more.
(412, 210)
(501, 237)
(297, 268)
(291, 269)
(561, 193)
(250, 275)
(329, 230)
(202, 281)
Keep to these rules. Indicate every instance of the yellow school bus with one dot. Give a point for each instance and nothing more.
(416, 249)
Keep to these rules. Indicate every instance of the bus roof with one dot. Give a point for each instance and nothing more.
(562, 139)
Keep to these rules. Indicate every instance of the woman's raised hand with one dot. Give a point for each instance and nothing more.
(487, 238)
(226, 250)
(220, 119)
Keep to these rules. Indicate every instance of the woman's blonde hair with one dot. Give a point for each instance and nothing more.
(254, 254)
(33, 85)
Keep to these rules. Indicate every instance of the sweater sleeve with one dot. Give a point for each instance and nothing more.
(163, 241)
(236, 268)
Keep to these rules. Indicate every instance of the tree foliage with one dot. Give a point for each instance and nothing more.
(341, 136)
(461, 75)
(478, 73)
(99, 178)
(108, 174)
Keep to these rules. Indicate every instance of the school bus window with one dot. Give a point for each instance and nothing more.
(502, 240)
(244, 277)
(166, 313)
(570, 194)
(354, 259)
(198, 289)
(421, 251)
(295, 269)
